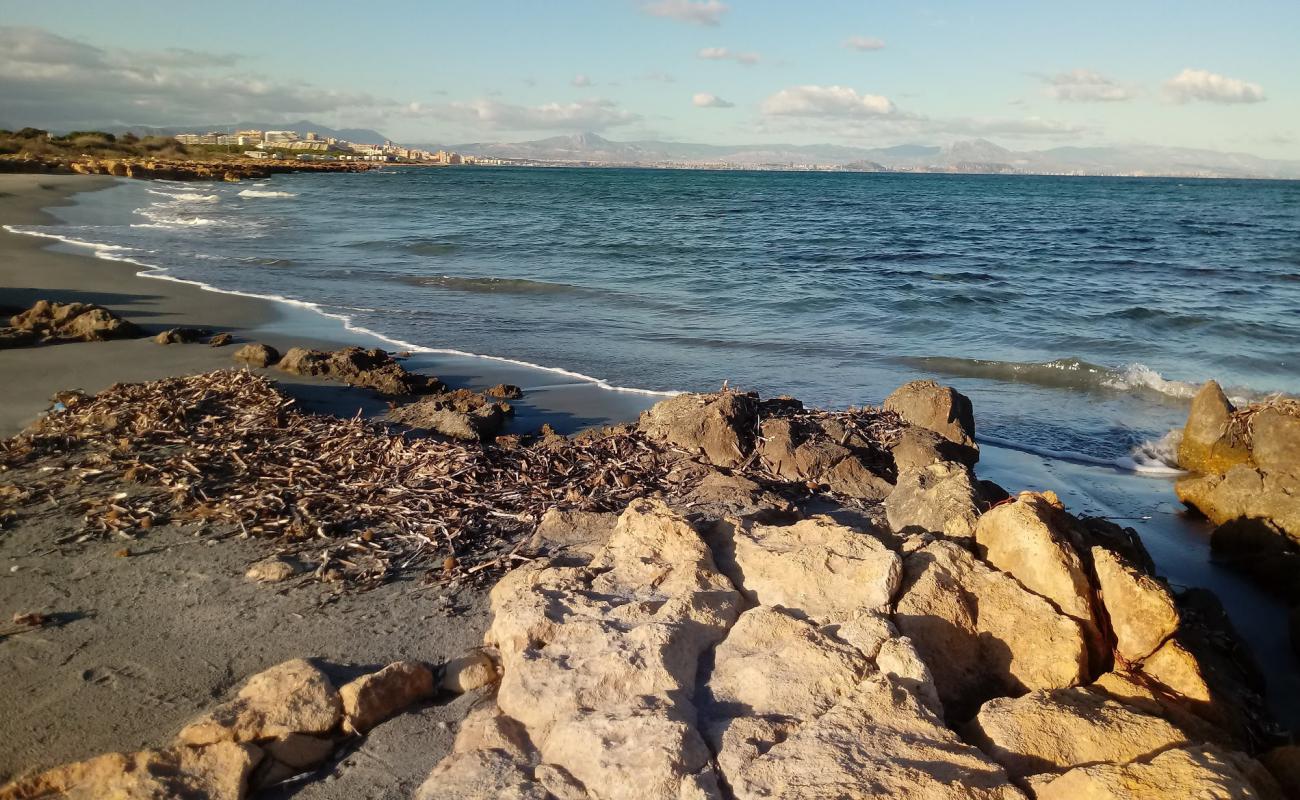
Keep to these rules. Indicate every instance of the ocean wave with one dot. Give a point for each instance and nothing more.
(1155, 457)
(261, 193)
(494, 285)
(97, 246)
(1074, 374)
(188, 197)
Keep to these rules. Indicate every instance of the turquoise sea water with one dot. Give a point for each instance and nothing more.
(1079, 314)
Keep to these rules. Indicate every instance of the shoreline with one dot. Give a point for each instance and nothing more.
(34, 271)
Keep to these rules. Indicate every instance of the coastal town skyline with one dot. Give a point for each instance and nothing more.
(679, 70)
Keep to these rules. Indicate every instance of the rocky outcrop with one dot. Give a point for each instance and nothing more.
(293, 697)
(937, 498)
(371, 699)
(181, 336)
(373, 369)
(820, 452)
(941, 409)
(1141, 610)
(217, 772)
(1199, 771)
(719, 426)
(257, 355)
(82, 322)
(1207, 446)
(982, 633)
(459, 414)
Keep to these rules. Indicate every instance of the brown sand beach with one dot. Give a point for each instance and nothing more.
(688, 626)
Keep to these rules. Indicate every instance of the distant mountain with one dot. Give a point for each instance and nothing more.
(359, 135)
(969, 156)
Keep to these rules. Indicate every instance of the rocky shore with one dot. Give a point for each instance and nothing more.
(733, 597)
(171, 169)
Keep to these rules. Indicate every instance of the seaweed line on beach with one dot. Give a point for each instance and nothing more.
(360, 499)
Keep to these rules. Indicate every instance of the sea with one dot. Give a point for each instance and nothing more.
(1079, 314)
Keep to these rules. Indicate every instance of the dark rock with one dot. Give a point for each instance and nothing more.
(257, 355)
(810, 451)
(460, 414)
(16, 337)
(373, 369)
(181, 336)
(721, 425)
(73, 321)
(506, 391)
(220, 340)
(921, 447)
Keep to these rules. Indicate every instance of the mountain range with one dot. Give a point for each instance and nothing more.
(971, 156)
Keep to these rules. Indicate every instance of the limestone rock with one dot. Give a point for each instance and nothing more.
(919, 447)
(721, 425)
(491, 758)
(1190, 772)
(1174, 666)
(257, 355)
(220, 340)
(466, 673)
(293, 697)
(599, 663)
(1141, 611)
(941, 409)
(802, 450)
(981, 632)
(505, 391)
(373, 369)
(1026, 540)
(1275, 441)
(73, 321)
(1245, 492)
(299, 751)
(216, 772)
(271, 570)
(816, 568)
(938, 498)
(1205, 446)
(459, 414)
(879, 742)
(582, 532)
(720, 495)
(1054, 731)
(181, 336)
(371, 699)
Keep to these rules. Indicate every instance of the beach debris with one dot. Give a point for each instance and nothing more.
(373, 369)
(373, 698)
(50, 321)
(505, 391)
(30, 619)
(220, 340)
(181, 335)
(257, 355)
(271, 570)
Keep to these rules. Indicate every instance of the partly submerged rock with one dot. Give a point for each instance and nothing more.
(373, 369)
(293, 697)
(220, 340)
(941, 409)
(505, 391)
(721, 426)
(1206, 446)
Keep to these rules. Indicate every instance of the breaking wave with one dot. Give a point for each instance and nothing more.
(263, 193)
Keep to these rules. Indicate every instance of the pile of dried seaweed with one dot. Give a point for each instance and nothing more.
(361, 500)
(227, 447)
(1241, 422)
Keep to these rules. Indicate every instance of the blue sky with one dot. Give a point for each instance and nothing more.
(1023, 74)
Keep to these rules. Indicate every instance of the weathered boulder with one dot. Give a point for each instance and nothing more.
(578, 532)
(599, 663)
(505, 391)
(216, 772)
(371, 699)
(459, 414)
(293, 697)
(73, 321)
(1206, 445)
(1275, 441)
(220, 340)
(1244, 492)
(877, 742)
(938, 498)
(919, 447)
(804, 451)
(720, 495)
(257, 355)
(814, 568)
(1028, 540)
(1053, 731)
(181, 336)
(1174, 666)
(1185, 772)
(271, 570)
(721, 426)
(466, 673)
(373, 369)
(981, 632)
(1141, 610)
(941, 409)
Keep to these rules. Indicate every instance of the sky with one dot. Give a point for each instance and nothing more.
(1029, 75)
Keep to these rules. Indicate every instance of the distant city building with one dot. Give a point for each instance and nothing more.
(311, 136)
(254, 135)
(279, 137)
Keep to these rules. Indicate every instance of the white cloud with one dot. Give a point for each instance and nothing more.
(1085, 86)
(706, 100)
(1200, 84)
(698, 12)
(584, 115)
(53, 81)
(581, 81)
(864, 43)
(826, 101)
(723, 54)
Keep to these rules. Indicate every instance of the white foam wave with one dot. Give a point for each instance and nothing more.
(188, 197)
(259, 193)
(1156, 458)
(1140, 376)
(97, 246)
